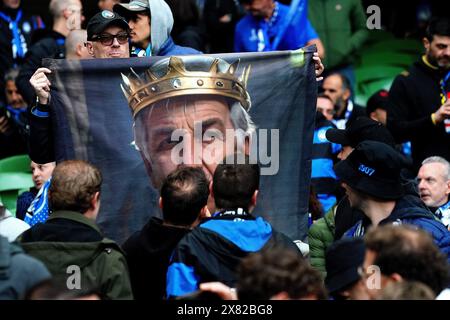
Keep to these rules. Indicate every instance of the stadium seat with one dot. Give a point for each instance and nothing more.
(410, 46)
(366, 90)
(384, 58)
(373, 73)
(376, 36)
(11, 185)
(19, 163)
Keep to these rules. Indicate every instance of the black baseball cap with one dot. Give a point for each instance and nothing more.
(373, 168)
(98, 23)
(379, 100)
(361, 129)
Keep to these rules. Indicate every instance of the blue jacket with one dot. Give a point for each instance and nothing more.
(213, 250)
(254, 34)
(410, 210)
(169, 48)
(323, 177)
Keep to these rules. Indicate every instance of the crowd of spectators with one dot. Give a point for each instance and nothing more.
(380, 178)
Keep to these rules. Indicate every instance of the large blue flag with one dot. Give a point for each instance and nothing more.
(92, 121)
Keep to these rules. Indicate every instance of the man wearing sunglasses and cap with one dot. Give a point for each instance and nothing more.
(107, 34)
(151, 23)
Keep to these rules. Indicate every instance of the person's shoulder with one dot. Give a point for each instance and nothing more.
(317, 228)
(177, 49)
(360, 110)
(435, 227)
(109, 246)
(245, 23)
(25, 196)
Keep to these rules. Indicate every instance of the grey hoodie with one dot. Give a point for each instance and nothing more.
(161, 24)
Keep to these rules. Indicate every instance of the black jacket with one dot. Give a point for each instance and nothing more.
(221, 33)
(27, 25)
(50, 45)
(148, 254)
(41, 144)
(413, 97)
(213, 250)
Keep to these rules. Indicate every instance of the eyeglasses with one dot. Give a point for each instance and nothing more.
(108, 39)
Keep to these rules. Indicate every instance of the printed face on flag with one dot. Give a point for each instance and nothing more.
(188, 131)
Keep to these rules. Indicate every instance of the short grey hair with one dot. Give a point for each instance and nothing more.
(11, 75)
(56, 7)
(75, 38)
(437, 159)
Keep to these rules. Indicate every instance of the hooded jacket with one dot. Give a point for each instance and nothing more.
(410, 210)
(148, 254)
(70, 239)
(213, 250)
(161, 26)
(18, 272)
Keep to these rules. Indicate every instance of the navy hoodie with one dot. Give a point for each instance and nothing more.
(410, 210)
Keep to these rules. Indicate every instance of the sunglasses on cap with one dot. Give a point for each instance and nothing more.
(108, 39)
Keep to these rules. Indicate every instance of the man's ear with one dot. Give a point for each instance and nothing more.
(66, 13)
(347, 94)
(90, 48)
(95, 200)
(426, 43)
(396, 277)
(160, 203)
(254, 198)
(373, 116)
(79, 49)
(204, 212)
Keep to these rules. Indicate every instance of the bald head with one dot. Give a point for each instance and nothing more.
(75, 45)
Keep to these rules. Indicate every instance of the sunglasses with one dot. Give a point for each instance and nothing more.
(108, 39)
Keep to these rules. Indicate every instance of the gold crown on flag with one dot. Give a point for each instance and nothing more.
(143, 91)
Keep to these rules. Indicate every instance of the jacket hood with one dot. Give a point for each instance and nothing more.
(67, 238)
(58, 256)
(161, 24)
(248, 236)
(409, 207)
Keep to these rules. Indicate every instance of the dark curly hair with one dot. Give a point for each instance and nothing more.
(269, 272)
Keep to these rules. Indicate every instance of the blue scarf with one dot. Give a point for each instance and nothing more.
(18, 41)
(38, 210)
